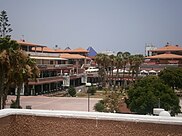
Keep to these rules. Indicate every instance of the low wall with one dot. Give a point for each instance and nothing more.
(24, 122)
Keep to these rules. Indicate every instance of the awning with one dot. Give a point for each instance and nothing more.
(152, 71)
(144, 71)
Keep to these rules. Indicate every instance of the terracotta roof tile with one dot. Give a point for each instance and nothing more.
(168, 48)
(23, 43)
(58, 50)
(80, 50)
(47, 49)
(72, 56)
(165, 56)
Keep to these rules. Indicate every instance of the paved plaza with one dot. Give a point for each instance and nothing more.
(55, 103)
(58, 103)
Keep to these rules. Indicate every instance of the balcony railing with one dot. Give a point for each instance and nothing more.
(43, 54)
(54, 65)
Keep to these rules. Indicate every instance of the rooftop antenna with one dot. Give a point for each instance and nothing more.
(159, 102)
(56, 46)
(23, 40)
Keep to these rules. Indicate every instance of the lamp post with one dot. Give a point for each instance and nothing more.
(159, 103)
(88, 85)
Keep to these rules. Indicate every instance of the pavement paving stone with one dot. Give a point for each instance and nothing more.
(55, 103)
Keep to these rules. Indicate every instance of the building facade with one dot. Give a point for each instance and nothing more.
(59, 69)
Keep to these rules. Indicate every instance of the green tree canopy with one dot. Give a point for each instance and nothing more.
(172, 77)
(144, 95)
(16, 67)
(109, 104)
(4, 25)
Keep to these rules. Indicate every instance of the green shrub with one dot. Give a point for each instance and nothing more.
(72, 91)
(99, 106)
(14, 105)
(92, 90)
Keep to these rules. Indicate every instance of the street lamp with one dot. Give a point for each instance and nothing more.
(159, 102)
(88, 85)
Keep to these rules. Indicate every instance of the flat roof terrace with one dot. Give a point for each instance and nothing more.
(24, 122)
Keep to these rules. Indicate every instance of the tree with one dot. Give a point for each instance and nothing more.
(131, 66)
(7, 48)
(119, 65)
(145, 93)
(4, 62)
(16, 68)
(4, 25)
(103, 62)
(126, 56)
(109, 104)
(92, 90)
(23, 69)
(112, 64)
(172, 77)
(135, 62)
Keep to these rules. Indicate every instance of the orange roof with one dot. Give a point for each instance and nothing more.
(23, 43)
(168, 48)
(79, 50)
(72, 56)
(165, 56)
(47, 49)
(58, 50)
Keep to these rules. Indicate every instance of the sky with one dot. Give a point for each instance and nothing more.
(106, 25)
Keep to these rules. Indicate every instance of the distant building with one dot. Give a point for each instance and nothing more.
(91, 52)
(148, 49)
(109, 52)
(169, 54)
(58, 68)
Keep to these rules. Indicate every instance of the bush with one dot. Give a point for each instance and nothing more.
(72, 91)
(91, 90)
(99, 106)
(14, 105)
(109, 104)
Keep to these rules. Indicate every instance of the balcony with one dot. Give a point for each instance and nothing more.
(44, 54)
(45, 80)
(54, 66)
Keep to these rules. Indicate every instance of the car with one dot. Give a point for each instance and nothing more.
(92, 69)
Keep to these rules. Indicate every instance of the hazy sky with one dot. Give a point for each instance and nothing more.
(116, 25)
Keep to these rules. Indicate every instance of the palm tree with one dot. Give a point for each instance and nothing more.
(98, 60)
(4, 67)
(103, 62)
(7, 47)
(119, 65)
(131, 66)
(126, 56)
(112, 65)
(15, 68)
(138, 60)
(24, 68)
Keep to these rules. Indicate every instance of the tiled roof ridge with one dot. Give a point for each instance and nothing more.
(165, 55)
(169, 48)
